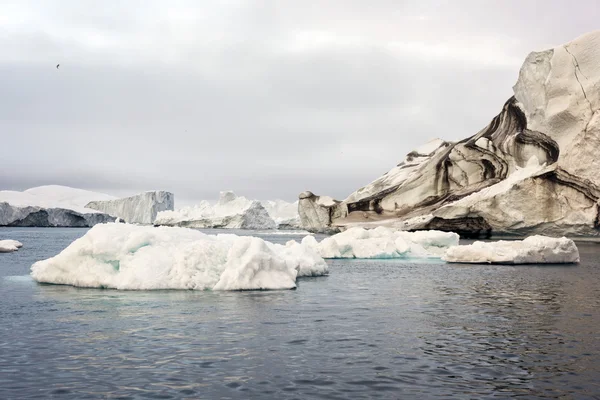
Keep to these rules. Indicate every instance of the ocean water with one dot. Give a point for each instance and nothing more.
(384, 329)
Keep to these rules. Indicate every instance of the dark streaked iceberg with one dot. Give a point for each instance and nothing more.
(532, 170)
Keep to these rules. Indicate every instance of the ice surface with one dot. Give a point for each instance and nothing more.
(9, 245)
(383, 242)
(532, 250)
(123, 256)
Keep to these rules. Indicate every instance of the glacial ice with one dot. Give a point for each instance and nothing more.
(9, 245)
(383, 242)
(532, 250)
(124, 256)
(231, 211)
(139, 209)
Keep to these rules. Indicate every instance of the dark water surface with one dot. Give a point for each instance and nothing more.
(371, 329)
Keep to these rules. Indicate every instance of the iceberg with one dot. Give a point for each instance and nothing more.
(50, 206)
(9, 245)
(284, 214)
(532, 250)
(383, 242)
(139, 209)
(231, 211)
(136, 257)
(531, 170)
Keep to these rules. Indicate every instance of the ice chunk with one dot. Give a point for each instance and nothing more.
(9, 245)
(532, 250)
(383, 242)
(123, 256)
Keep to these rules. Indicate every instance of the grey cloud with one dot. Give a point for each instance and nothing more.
(265, 98)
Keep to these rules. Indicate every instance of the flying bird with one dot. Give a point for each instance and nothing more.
(57, 65)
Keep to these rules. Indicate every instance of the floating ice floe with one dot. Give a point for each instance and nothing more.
(8, 246)
(383, 242)
(122, 256)
(532, 250)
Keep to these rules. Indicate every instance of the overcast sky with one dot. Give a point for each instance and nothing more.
(267, 98)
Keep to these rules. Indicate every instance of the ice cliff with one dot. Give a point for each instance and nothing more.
(234, 212)
(532, 170)
(140, 209)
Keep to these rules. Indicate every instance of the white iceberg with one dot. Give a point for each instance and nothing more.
(230, 212)
(54, 196)
(8, 245)
(532, 250)
(55, 205)
(139, 209)
(383, 242)
(122, 256)
(51, 205)
(284, 214)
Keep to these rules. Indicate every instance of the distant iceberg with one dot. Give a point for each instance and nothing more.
(285, 214)
(139, 209)
(532, 250)
(63, 206)
(234, 212)
(383, 242)
(9, 245)
(123, 256)
(51, 205)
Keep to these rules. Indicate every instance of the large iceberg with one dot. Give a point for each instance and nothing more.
(383, 242)
(139, 209)
(51, 205)
(9, 245)
(231, 211)
(124, 256)
(532, 250)
(285, 214)
(532, 170)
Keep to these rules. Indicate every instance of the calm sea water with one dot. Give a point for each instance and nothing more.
(371, 329)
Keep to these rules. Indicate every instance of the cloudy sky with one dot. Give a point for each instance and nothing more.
(267, 98)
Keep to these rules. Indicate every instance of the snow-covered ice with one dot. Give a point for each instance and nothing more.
(383, 242)
(532, 250)
(123, 256)
(9, 245)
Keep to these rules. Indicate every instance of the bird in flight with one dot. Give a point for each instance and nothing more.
(57, 65)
